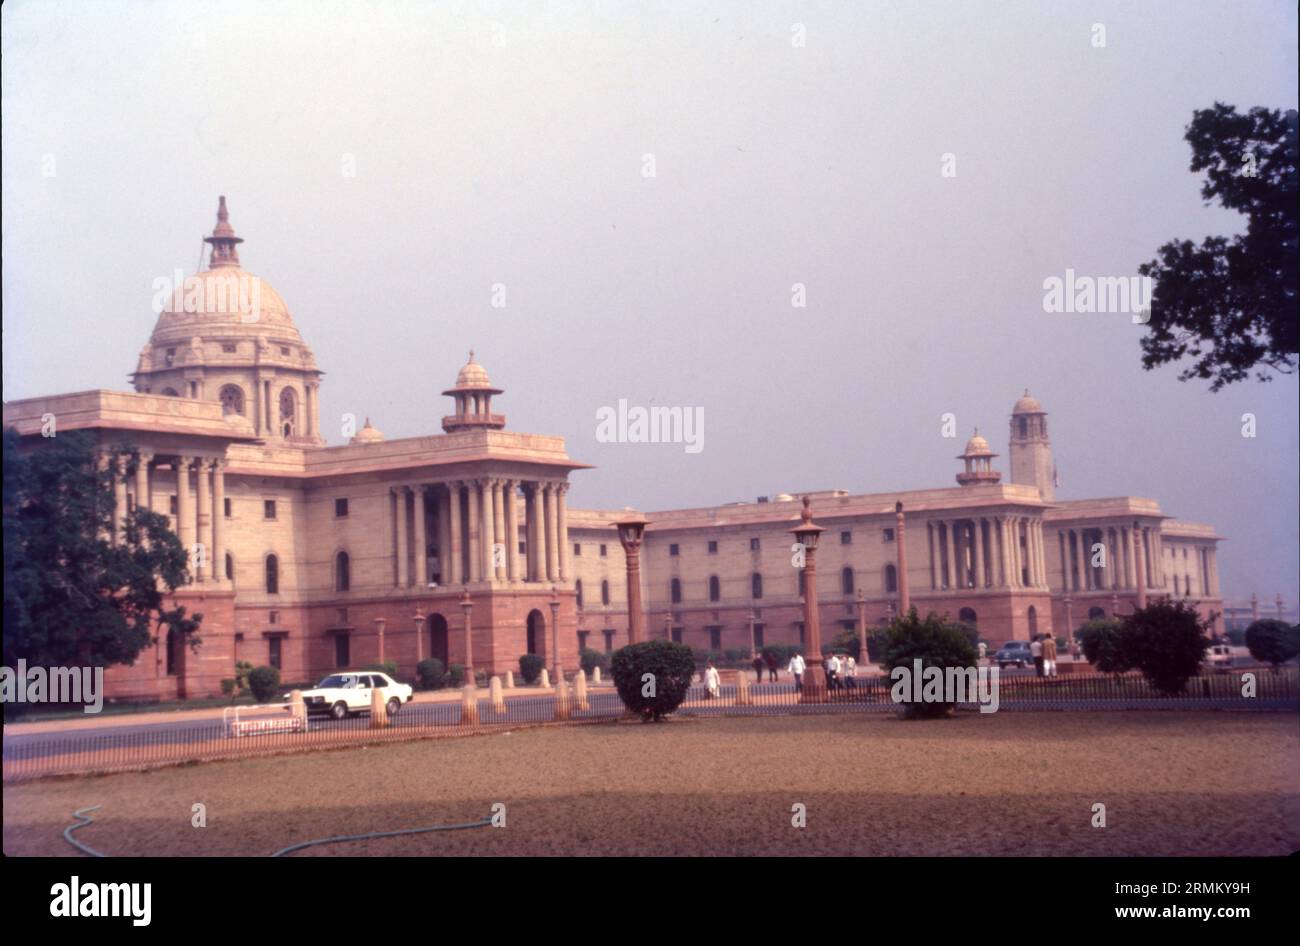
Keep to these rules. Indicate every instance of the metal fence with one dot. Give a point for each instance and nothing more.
(271, 730)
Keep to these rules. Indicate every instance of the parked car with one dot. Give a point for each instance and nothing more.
(341, 694)
(1014, 652)
(1219, 657)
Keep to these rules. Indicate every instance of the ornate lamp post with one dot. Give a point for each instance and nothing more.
(467, 606)
(668, 626)
(631, 529)
(379, 632)
(753, 645)
(862, 626)
(807, 534)
(555, 634)
(419, 635)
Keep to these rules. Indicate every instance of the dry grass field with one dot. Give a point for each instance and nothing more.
(1007, 783)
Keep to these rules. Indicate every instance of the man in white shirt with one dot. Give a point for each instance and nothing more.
(833, 672)
(1036, 650)
(850, 668)
(797, 667)
(712, 681)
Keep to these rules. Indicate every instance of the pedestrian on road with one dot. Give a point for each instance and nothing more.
(712, 681)
(850, 668)
(1036, 649)
(772, 675)
(1049, 656)
(759, 667)
(797, 667)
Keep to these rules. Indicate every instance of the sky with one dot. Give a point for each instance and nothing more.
(644, 185)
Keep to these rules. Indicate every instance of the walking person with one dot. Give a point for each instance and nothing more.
(797, 667)
(712, 681)
(772, 674)
(850, 668)
(832, 667)
(1049, 656)
(759, 666)
(1036, 649)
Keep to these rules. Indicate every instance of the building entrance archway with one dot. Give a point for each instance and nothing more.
(438, 638)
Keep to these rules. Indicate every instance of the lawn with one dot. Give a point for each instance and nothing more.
(1173, 783)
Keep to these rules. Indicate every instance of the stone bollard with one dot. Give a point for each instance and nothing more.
(742, 689)
(546, 677)
(595, 676)
(510, 679)
(297, 708)
(378, 711)
(494, 691)
(580, 691)
(469, 705)
(562, 708)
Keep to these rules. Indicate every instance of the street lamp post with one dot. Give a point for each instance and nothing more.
(753, 644)
(555, 634)
(807, 534)
(467, 606)
(862, 626)
(668, 626)
(631, 529)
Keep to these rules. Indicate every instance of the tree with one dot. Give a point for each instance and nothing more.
(652, 677)
(1272, 641)
(934, 641)
(1166, 640)
(71, 596)
(1100, 640)
(1229, 304)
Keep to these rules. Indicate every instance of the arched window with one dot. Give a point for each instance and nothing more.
(604, 592)
(577, 586)
(288, 411)
(342, 572)
(1024, 427)
(230, 567)
(675, 590)
(715, 588)
(967, 616)
(846, 579)
(756, 585)
(170, 392)
(171, 653)
(272, 575)
(891, 578)
(232, 399)
(1033, 621)
(1094, 613)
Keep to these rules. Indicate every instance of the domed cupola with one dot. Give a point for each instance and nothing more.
(473, 396)
(978, 458)
(226, 335)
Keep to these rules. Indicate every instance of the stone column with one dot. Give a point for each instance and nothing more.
(1000, 528)
(512, 529)
(950, 549)
(454, 555)
(421, 543)
(399, 511)
(1035, 555)
(1139, 565)
(219, 519)
(979, 553)
(142, 497)
(119, 500)
(536, 536)
(500, 569)
(562, 528)
(900, 539)
(475, 530)
(203, 519)
(552, 535)
(487, 531)
(184, 515)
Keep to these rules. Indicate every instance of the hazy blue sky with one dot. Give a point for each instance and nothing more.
(496, 144)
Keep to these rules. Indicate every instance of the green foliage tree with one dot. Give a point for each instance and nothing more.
(1273, 641)
(845, 642)
(1100, 640)
(1229, 304)
(1167, 641)
(935, 641)
(591, 659)
(530, 667)
(71, 596)
(264, 682)
(430, 673)
(652, 677)
(387, 666)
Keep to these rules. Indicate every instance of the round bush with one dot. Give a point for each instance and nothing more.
(1166, 640)
(933, 641)
(430, 673)
(264, 682)
(591, 659)
(530, 667)
(456, 676)
(1272, 641)
(1100, 640)
(652, 677)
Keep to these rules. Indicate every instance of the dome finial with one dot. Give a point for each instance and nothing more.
(471, 357)
(223, 239)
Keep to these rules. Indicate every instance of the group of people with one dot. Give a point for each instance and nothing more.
(1043, 650)
(840, 669)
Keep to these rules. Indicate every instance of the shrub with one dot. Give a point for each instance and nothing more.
(1272, 641)
(242, 669)
(1100, 640)
(846, 642)
(935, 642)
(736, 657)
(782, 652)
(480, 678)
(1166, 640)
(430, 673)
(228, 688)
(670, 667)
(456, 676)
(264, 682)
(530, 667)
(591, 659)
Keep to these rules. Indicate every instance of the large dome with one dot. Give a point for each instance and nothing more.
(1028, 405)
(228, 300)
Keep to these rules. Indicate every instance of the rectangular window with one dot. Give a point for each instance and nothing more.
(582, 640)
(609, 641)
(342, 650)
(846, 538)
(603, 550)
(340, 508)
(228, 348)
(283, 350)
(341, 615)
(523, 547)
(673, 550)
(226, 503)
(715, 638)
(753, 545)
(889, 535)
(758, 636)
(577, 549)
(172, 506)
(268, 509)
(273, 651)
(273, 618)
(677, 635)
(713, 548)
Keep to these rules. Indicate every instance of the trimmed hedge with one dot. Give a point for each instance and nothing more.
(652, 677)
(530, 667)
(264, 682)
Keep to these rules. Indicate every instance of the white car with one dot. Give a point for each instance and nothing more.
(341, 694)
(1219, 657)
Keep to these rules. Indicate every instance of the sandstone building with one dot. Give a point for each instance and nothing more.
(311, 557)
